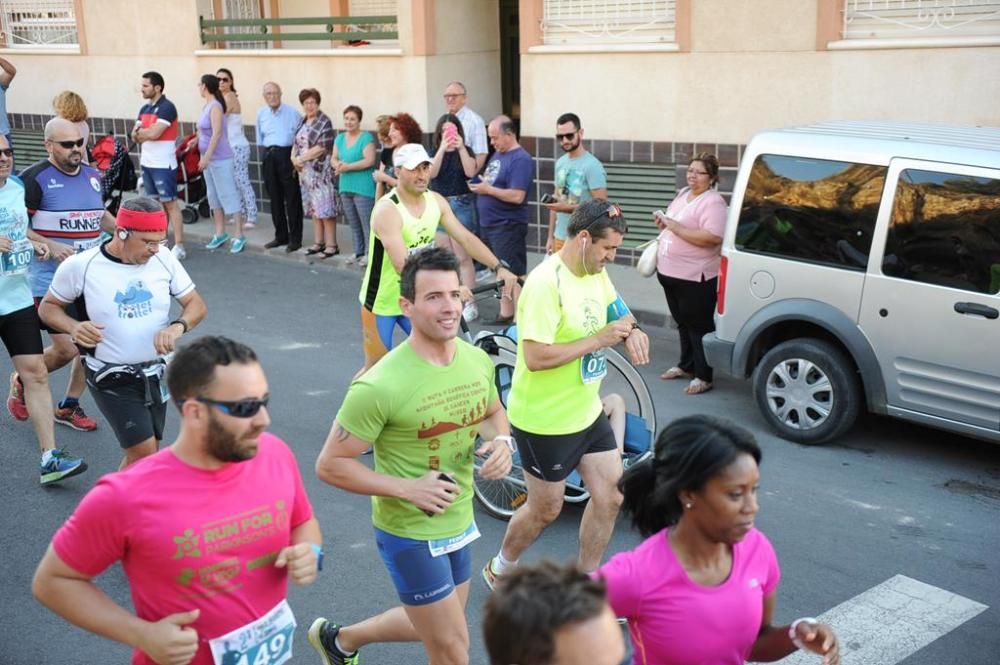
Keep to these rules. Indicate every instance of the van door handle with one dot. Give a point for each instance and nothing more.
(977, 309)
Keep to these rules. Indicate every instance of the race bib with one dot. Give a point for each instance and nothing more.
(266, 641)
(455, 543)
(593, 367)
(17, 259)
(83, 245)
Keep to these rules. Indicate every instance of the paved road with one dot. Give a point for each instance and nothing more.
(890, 499)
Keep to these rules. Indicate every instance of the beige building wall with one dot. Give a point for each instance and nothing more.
(754, 65)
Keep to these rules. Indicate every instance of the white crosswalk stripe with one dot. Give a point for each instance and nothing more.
(891, 621)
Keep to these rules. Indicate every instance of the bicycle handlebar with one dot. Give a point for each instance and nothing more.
(492, 286)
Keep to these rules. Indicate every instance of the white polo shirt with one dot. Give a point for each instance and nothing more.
(131, 301)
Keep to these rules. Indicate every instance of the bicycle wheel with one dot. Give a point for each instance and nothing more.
(623, 378)
(501, 497)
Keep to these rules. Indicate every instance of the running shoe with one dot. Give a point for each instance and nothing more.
(470, 312)
(178, 252)
(74, 417)
(238, 245)
(489, 576)
(323, 638)
(15, 399)
(60, 466)
(217, 241)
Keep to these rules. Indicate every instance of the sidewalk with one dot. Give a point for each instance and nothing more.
(644, 296)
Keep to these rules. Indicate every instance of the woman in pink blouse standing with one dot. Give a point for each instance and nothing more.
(687, 266)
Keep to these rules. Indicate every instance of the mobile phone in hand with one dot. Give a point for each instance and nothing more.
(547, 198)
(448, 479)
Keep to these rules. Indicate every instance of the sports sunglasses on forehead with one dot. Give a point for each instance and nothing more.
(613, 210)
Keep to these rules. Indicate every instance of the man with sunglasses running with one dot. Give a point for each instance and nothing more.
(569, 313)
(208, 531)
(66, 212)
(123, 290)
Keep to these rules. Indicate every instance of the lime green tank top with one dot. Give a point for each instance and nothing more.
(380, 288)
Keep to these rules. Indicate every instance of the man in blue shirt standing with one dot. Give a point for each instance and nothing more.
(7, 73)
(502, 203)
(276, 127)
(19, 325)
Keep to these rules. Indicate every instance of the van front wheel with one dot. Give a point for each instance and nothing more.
(807, 390)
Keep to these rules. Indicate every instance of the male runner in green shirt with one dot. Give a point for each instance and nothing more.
(421, 407)
(568, 314)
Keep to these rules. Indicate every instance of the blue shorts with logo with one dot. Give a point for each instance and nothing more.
(419, 578)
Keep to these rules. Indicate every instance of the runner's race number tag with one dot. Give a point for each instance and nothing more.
(17, 259)
(593, 367)
(455, 543)
(266, 641)
(84, 245)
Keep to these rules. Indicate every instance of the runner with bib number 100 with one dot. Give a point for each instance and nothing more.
(568, 314)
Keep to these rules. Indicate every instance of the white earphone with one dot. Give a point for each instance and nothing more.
(122, 234)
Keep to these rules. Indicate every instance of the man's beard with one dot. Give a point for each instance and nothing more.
(225, 447)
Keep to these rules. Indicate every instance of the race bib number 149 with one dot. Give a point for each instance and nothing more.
(266, 641)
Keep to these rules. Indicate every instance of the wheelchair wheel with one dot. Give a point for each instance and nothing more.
(189, 215)
(623, 378)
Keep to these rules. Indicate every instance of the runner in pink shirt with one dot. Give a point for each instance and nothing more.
(702, 587)
(208, 530)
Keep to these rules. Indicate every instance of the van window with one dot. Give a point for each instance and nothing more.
(945, 230)
(813, 210)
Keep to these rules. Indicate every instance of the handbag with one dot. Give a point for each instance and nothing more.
(646, 264)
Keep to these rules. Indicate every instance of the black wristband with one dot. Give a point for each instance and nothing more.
(183, 324)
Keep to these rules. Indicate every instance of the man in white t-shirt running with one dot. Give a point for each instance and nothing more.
(123, 290)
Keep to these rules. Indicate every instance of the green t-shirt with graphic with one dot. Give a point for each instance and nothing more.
(575, 180)
(421, 417)
(557, 307)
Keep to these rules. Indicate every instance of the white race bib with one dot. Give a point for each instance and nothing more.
(17, 259)
(455, 543)
(266, 641)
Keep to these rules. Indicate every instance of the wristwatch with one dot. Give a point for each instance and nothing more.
(500, 264)
(318, 549)
(508, 439)
(183, 325)
(794, 636)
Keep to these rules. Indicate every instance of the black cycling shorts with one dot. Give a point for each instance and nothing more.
(71, 310)
(553, 457)
(21, 332)
(135, 410)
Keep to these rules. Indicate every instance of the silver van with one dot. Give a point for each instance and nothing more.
(861, 267)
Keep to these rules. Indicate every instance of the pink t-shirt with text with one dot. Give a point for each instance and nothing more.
(193, 539)
(677, 257)
(675, 621)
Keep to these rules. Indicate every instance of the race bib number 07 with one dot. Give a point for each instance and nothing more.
(266, 641)
(593, 367)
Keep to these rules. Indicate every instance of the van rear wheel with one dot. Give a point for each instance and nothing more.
(807, 390)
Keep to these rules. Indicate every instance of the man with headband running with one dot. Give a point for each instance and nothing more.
(123, 291)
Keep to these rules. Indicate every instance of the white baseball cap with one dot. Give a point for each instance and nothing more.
(410, 156)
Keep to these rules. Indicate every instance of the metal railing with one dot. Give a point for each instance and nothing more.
(608, 21)
(881, 19)
(335, 28)
(39, 24)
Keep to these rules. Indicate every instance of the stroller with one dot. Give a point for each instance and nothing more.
(191, 188)
(110, 157)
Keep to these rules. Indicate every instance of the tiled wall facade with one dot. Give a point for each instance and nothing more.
(543, 149)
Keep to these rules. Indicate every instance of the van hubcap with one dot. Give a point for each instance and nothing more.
(799, 394)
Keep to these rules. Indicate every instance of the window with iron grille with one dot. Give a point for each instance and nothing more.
(607, 22)
(908, 19)
(244, 9)
(39, 24)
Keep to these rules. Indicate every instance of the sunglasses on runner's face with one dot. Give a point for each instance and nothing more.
(70, 144)
(245, 408)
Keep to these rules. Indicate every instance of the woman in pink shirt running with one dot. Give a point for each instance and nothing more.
(687, 266)
(702, 587)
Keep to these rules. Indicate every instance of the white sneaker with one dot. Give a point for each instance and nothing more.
(470, 312)
(178, 252)
(484, 275)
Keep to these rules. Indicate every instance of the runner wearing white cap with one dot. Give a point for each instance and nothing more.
(405, 220)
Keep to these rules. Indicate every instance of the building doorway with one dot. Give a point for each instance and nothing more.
(510, 61)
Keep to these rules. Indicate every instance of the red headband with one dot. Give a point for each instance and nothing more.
(135, 220)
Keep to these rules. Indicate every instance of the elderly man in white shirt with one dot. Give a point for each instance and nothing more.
(473, 125)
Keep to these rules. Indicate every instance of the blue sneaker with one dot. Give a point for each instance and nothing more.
(59, 466)
(238, 245)
(217, 241)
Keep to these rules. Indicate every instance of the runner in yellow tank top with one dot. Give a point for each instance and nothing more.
(404, 221)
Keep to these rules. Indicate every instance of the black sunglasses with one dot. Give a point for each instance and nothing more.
(7, 152)
(70, 144)
(244, 408)
(613, 210)
(565, 137)
(223, 79)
